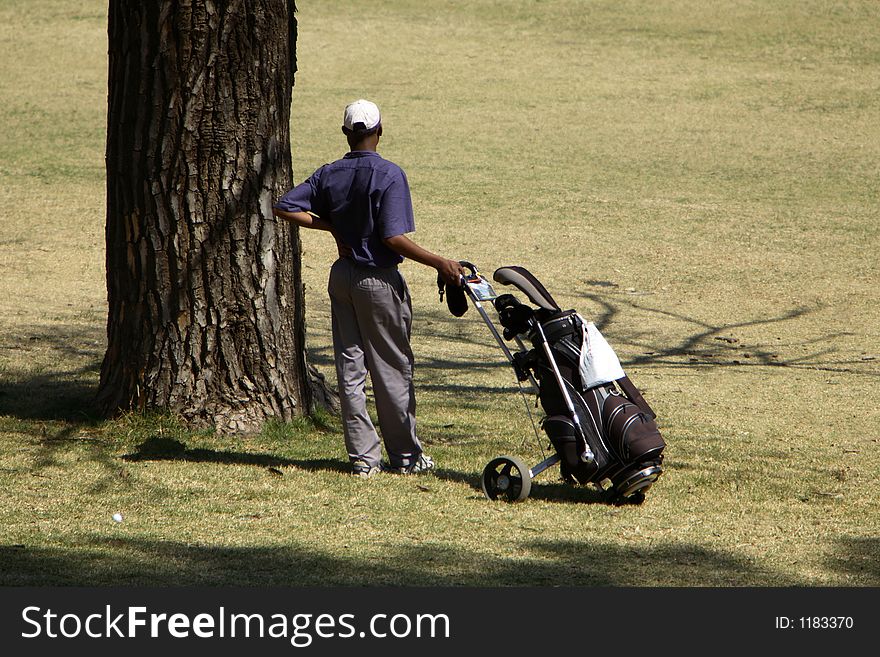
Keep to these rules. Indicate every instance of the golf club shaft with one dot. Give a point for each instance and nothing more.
(588, 453)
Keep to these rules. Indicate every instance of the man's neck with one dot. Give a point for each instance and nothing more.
(369, 143)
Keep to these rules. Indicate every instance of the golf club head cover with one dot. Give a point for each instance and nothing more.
(515, 317)
(456, 300)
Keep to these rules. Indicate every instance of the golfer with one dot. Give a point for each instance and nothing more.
(364, 201)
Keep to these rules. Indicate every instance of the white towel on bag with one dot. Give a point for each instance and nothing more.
(599, 364)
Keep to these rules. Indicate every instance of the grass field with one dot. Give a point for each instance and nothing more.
(699, 178)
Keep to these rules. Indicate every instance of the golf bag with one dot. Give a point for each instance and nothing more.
(601, 427)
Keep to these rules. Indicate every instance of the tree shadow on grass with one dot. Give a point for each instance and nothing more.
(169, 449)
(159, 448)
(113, 560)
(858, 559)
(58, 376)
(51, 396)
(68, 394)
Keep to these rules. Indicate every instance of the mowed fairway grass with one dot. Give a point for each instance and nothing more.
(699, 178)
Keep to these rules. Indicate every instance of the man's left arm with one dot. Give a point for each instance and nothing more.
(303, 219)
(300, 206)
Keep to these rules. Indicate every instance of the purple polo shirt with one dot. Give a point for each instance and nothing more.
(365, 197)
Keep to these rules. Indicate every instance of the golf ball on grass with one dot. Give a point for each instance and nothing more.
(117, 517)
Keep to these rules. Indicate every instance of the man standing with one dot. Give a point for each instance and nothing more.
(364, 201)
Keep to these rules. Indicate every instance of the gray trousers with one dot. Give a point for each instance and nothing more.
(372, 319)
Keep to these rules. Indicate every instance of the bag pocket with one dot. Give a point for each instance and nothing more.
(632, 434)
(564, 438)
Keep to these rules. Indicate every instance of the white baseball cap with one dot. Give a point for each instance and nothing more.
(363, 112)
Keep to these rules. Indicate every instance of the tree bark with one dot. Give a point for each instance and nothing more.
(206, 309)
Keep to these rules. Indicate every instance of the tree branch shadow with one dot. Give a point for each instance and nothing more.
(699, 343)
(713, 344)
(67, 394)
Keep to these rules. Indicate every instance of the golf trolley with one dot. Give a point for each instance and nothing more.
(602, 429)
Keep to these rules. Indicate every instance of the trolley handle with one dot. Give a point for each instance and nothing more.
(462, 280)
(469, 265)
(472, 272)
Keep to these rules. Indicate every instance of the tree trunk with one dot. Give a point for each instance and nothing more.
(206, 312)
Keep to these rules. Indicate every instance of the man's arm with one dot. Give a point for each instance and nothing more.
(449, 270)
(308, 220)
(304, 219)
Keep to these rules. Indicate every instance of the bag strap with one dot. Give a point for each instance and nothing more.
(635, 396)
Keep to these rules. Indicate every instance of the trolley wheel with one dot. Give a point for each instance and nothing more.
(506, 478)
